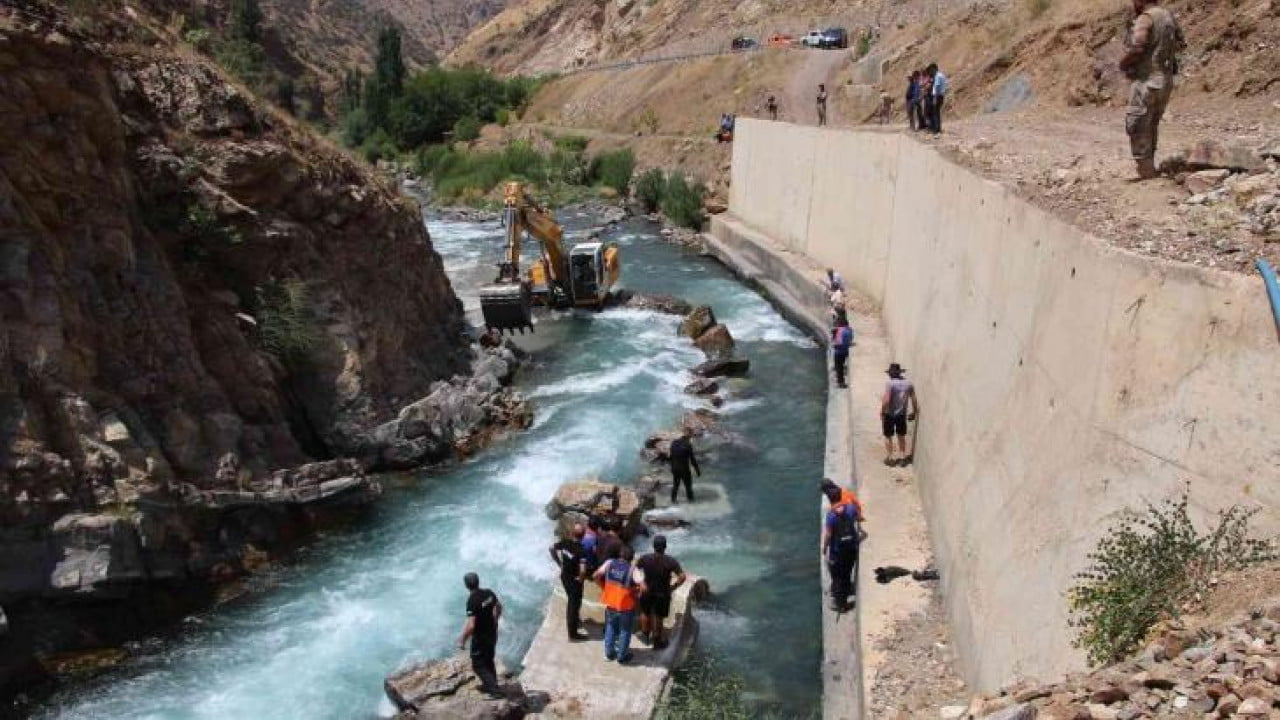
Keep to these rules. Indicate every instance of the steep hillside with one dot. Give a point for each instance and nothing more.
(213, 325)
(439, 24)
(540, 36)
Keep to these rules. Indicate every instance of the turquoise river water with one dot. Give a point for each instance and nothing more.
(315, 638)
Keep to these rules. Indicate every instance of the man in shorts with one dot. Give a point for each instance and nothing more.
(898, 393)
(662, 575)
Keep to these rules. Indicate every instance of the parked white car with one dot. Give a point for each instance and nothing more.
(813, 39)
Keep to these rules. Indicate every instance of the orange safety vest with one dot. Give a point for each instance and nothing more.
(619, 590)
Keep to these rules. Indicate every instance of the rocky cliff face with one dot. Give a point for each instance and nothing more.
(197, 295)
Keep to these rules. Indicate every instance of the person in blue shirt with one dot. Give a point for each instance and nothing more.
(941, 85)
(840, 540)
(841, 341)
(915, 112)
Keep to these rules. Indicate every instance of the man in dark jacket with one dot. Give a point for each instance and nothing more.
(571, 557)
(484, 610)
(681, 458)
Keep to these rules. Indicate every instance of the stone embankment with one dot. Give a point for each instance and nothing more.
(1228, 672)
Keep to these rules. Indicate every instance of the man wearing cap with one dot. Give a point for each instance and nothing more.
(662, 575)
(898, 393)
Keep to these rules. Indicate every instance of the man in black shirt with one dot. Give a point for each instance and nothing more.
(571, 557)
(681, 458)
(655, 604)
(483, 612)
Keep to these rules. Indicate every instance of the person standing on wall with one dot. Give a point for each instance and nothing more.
(840, 541)
(898, 393)
(940, 86)
(484, 610)
(926, 100)
(822, 105)
(772, 107)
(913, 101)
(841, 341)
(618, 594)
(833, 281)
(682, 458)
(1152, 44)
(659, 570)
(570, 556)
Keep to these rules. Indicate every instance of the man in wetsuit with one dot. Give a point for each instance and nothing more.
(483, 612)
(681, 458)
(659, 569)
(571, 558)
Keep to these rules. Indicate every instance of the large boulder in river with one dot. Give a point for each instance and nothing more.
(668, 304)
(702, 386)
(575, 501)
(716, 343)
(697, 322)
(734, 367)
(448, 689)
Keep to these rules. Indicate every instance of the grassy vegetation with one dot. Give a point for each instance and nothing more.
(1150, 566)
(682, 202)
(286, 324)
(650, 188)
(563, 174)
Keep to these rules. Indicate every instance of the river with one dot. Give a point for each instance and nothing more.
(316, 637)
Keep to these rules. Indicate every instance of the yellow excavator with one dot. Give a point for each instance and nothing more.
(581, 278)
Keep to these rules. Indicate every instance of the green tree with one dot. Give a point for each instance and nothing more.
(245, 21)
(387, 83)
(352, 91)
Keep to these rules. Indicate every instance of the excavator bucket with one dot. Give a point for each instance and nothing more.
(507, 306)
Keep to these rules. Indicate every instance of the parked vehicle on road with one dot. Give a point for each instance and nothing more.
(779, 40)
(812, 39)
(834, 38)
(744, 43)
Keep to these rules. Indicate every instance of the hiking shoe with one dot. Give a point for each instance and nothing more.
(625, 659)
(609, 658)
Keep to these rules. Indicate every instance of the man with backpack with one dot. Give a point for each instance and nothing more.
(841, 341)
(840, 539)
(619, 591)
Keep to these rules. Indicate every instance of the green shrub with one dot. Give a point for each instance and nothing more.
(1148, 567)
(355, 128)
(701, 691)
(1036, 8)
(569, 143)
(682, 202)
(379, 146)
(503, 117)
(197, 38)
(243, 59)
(287, 326)
(614, 169)
(466, 129)
(864, 45)
(650, 188)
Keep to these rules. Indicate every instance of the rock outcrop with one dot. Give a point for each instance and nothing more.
(447, 689)
(573, 502)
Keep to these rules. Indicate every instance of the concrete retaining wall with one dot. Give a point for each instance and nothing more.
(1060, 380)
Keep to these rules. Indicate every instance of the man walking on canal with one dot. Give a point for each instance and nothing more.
(571, 557)
(483, 612)
(841, 341)
(655, 604)
(840, 539)
(618, 594)
(898, 393)
(681, 458)
(822, 105)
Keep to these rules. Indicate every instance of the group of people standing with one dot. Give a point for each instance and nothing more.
(926, 95)
(602, 556)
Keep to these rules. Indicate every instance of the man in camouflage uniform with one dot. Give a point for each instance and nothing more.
(1150, 61)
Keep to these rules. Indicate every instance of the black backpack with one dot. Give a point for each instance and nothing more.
(845, 534)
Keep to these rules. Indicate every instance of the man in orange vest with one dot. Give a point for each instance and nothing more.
(619, 594)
